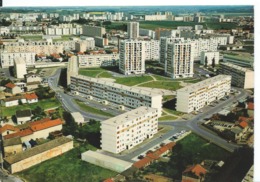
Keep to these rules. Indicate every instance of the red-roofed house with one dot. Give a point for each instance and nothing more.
(143, 163)
(8, 129)
(243, 124)
(37, 129)
(31, 98)
(12, 88)
(250, 106)
(195, 173)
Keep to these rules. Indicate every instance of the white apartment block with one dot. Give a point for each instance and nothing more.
(152, 49)
(154, 17)
(184, 28)
(133, 30)
(241, 77)
(7, 58)
(196, 96)
(114, 94)
(198, 27)
(208, 57)
(204, 45)
(132, 57)
(39, 47)
(98, 60)
(93, 31)
(180, 58)
(127, 130)
(72, 68)
(19, 68)
(164, 41)
(86, 44)
(64, 31)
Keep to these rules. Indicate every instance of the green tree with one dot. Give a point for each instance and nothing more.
(206, 61)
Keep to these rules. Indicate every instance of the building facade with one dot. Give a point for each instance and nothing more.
(93, 31)
(241, 77)
(132, 57)
(20, 68)
(152, 49)
(127, 130)
(209, 58)
(114, 94)
(7, 58)
(196, 96)
(180, 58)
(98, 60)
(133, 30)
(72, 68)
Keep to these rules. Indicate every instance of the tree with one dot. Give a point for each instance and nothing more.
(213, 63)
(206, 61)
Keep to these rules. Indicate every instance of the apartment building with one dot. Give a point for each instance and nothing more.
(152, 49)
(164, 41)
(93, 31)
(7, 58)
(122, 96)
(146, 32)
(37, 47)
(72, 68)
(127, 130)
(196, 96)
(83, 45)
(154, 17)
(133, 30)
(204, 45)
(19, 68)
(241, 77)
(98, 60)
(209, 58)
(180, 58)
(132, 57)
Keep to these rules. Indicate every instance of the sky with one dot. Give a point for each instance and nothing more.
(121, 2)
(256, 3)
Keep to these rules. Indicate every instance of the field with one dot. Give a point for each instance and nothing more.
(44, 104)
(67, 167)
(131, 81)
(91, 109)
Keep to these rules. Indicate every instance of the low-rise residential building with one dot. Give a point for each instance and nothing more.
(23, 116)
(12, 146)
(21, 85)
(241, 77)
(37, 129)
(195, 173)
(32, 77)
(12, 101)
(127, 130)
(20, 68)
(77, 117)
(196, 96)
(209, 58)
(38, 154)
(31, 98)
(8, 129)
(98, 60)
(114, 94)
(12, 88)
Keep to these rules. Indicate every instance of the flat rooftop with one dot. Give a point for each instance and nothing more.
(200, 85)
(129, 116)
(236, 67)
(116, 85)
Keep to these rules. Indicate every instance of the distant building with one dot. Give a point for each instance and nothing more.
(133, 30)
(241, 77)
(127, 130)
(93, 31)
(198, 27)
(132, 57)
(38, 154)
(209, 58)
(19, 68)
(196, 96)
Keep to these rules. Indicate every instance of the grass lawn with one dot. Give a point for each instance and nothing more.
(168, 85)
(67, 167)
(90, 73)
(192, 81)
(173, 112)
(45, 104)
(131, 81)
(158, 77)
(32, 37)
(164, 118)
(91, 109)
(201, 149)
(105, 74)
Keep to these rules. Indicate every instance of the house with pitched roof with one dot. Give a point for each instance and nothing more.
(195, 173)
(31, 98)
(8, 129)
(12, 88)
(32, 81)
(23, 116)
